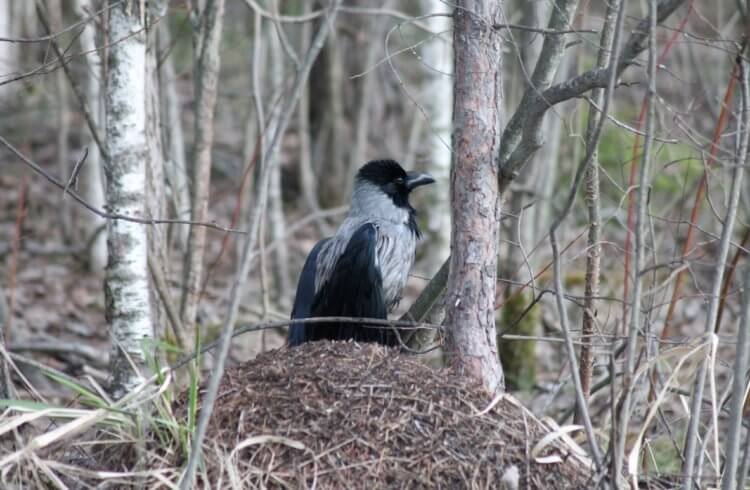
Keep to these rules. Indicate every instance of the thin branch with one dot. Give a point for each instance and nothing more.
(104, 214)
(580, 172)
(523, 137)
(540, 30)
(570, 349)
(173, 314)
(638, 251)
(51, 36)
(242, 273)
(593, 254)
(73, 180)
(730, 478)
(691, 437)
(93, 128)
(572, 88)
(374, 323)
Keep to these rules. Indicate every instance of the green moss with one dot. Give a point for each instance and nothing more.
(662, 457)
(518, 357)
(674, 165)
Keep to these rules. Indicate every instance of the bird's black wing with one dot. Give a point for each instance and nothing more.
(304, 298)
(354, 289)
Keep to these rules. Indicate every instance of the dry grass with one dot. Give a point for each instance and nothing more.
(324, 415)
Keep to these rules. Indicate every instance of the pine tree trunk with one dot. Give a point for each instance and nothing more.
(470, 299)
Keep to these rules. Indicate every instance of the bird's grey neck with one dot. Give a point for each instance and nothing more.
(368, 200)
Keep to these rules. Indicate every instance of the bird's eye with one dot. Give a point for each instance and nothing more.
(399, 180)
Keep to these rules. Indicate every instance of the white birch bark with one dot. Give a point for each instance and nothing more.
(91, 173)
(438, 56)
(128, 309)
(8, 51)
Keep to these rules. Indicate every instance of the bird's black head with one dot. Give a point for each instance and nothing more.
(393, 180)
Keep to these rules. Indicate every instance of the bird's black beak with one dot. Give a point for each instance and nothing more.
(415, 179)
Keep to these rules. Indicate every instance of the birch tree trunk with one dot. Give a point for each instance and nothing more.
(126, 288)
(470, 298)
(93, 183)
(438, 56)
(8, 51)
(207, 62)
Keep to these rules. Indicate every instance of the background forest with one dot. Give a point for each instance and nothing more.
(166, 166)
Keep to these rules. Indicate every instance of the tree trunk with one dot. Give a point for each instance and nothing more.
(470, 299)
(156, 197)
(62, 130)
(8, 51)
(275, 213)
(128, 308)
(207, 61)
(176, 165)
(439, 91)
(93, 183)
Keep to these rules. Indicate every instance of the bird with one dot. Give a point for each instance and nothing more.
(362, 269)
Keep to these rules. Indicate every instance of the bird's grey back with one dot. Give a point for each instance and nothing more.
(396, 240)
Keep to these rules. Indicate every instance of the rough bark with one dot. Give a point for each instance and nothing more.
(93, 182)
(128, 308)
(561, 92)
(470, 298)
(208, 23)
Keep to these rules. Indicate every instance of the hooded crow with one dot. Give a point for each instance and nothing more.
(362, 269)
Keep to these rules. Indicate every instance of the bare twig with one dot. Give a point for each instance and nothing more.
(238, 286)
(173, 314)
(207, 25)
(104, 214)
(55, 35)
(540, 30)
(572, 88)
(5, 383)
(522, 137)
(638, 250)
(90, 121)
(73, 180)
(691, 437)
(634, 167)
(730, 478)
(592, 204)
(580, 171)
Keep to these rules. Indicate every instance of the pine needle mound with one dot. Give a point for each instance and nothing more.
(347, 415)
